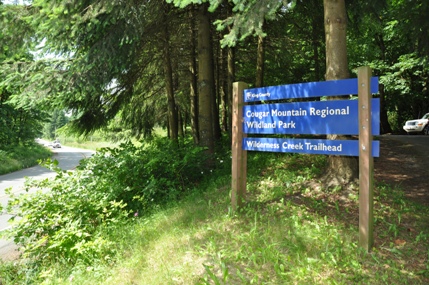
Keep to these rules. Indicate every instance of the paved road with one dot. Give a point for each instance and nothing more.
(68, 159)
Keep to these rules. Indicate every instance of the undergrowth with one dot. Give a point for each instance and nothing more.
(289, 231)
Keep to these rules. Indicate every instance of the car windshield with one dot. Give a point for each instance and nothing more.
(426, 116)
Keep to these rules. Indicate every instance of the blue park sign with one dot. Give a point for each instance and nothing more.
(270, 112)
(315, 117)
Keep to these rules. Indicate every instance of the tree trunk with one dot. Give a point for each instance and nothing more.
(205, 81)
(168, 73)
(230, 76)
(384, 121)
(231, 79)
(341, 169)
(215, 98)
(260, 62)
(181, 128)
(223, 89)
(335, 38)
(193, 78)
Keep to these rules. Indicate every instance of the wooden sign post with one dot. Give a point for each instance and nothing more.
(239, 155)
(366, 161)
(346, 117)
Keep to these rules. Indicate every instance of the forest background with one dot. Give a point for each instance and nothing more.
(126, 67)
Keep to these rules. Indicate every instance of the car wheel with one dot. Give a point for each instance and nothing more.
(426, 130)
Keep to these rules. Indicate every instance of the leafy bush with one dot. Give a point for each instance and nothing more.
(154, 173)
(66, 216)
(61, 219)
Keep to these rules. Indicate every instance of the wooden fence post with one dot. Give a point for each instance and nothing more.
(366, 161)
(239, 156)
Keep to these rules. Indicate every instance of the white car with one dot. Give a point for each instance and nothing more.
(418, 126)
(56, 145)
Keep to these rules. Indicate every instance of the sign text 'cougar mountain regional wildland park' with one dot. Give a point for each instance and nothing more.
(316, 117)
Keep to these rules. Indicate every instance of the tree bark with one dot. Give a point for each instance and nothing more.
(384, 120)
(335, 38)
(217, 133)
(205, 81)
(230, 75)
(181, 129)
(231, 79)
(168, 74)
(223, 89)
(193, 77)
(260, 62)
(340, 170)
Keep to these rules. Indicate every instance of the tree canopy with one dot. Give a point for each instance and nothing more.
(128, 65)
(20, 118)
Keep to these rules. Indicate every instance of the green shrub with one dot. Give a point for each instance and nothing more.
(61, 219)
(64, 219)
(154, 173)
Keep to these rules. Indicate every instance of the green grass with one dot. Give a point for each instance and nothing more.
(19, 157)
(90, 145)
(97, 140)
(92, 142)
(289, 232)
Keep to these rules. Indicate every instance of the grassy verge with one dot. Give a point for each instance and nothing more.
(89, 145)
(288, 233)
(20, 157)
(98, 140)
(291, 231)
(92, 142)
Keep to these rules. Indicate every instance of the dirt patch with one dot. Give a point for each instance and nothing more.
(404, 162)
